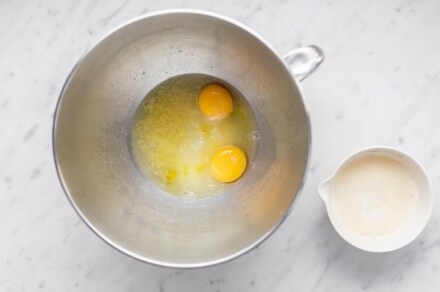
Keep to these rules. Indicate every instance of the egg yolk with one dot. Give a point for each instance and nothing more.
(215, 102)
(228, 163)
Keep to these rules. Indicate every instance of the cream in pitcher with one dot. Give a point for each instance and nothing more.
(378, 199)
(373, 196)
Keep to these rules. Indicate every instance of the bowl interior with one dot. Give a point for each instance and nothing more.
(93, 152)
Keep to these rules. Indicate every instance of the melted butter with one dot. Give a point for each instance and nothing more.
(173, 143)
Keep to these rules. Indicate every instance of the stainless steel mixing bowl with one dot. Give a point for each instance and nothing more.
(91, 138)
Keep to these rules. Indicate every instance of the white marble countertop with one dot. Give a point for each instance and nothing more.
(380, 84)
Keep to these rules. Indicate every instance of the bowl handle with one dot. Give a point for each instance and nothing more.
(303, 61)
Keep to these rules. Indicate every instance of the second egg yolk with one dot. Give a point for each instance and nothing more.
(228, 163)
(215, 102)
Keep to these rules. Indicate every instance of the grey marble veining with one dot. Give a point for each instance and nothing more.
(380, 84)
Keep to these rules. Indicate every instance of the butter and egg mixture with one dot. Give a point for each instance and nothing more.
(192, 135)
